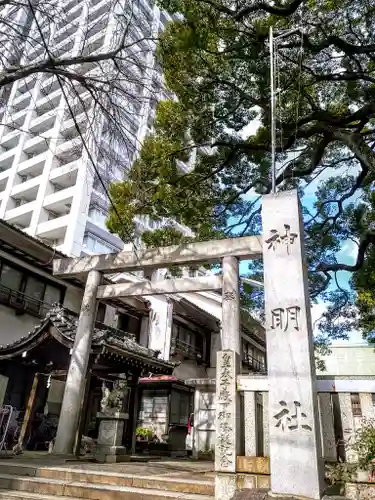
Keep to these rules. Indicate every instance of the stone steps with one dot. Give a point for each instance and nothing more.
(24, 482)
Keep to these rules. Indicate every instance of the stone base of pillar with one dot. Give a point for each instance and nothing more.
(111, 454)
(111, 430)
(225, 486)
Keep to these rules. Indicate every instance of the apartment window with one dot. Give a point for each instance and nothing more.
(153, 407)
(10, 277)
(180, 407)
(25, 291)
(188, 342)
(123, 322)
(100, 315)
(98, 216)
(356, 405)
(97, 245)
(253, 359)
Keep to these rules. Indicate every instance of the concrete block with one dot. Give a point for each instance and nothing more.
(246, 481)
(264, 482)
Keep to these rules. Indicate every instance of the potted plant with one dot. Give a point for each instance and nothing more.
(143, 434)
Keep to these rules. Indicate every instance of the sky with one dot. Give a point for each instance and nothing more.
(348, 251)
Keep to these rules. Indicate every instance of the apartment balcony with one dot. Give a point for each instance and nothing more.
(48, 103)
(60, 202)
(94, 44)
(66, 175)
(253, 364)
(97, 9)
(179, 347)
(65, 32)
(27, 84)
(69, 151)
(6, 159)
(21, 215)
(23, 303)
(33, 165)
(41, 124)
(36, 55)
(53, 229)
(27, 190)
(70, 6)
(21, 102)
(3, 179)
(71, 16)
(63, 47)
(36, 146)
(49, 86)
(97, 26)
(81, 103)
(144, 6)
(10, 140)
(17, 119)
(68, 129)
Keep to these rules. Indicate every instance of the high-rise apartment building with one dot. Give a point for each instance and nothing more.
(48, 186)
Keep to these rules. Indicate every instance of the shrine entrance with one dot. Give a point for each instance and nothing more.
(295, 455)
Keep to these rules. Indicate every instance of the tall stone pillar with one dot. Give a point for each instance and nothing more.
(76, 378)
(227, 442)
(197, 403)
(295, 447)
(367, 405)
(266, 426)
(250, 424)
(327, 427)
(348, 425)
(230, 334)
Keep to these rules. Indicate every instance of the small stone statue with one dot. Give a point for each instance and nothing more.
(112, 401)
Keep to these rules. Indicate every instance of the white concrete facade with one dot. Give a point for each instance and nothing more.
(349, 361)
(47, 186)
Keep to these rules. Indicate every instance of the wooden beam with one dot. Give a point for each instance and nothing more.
(185, 285)
(30, 408)
(245, 248)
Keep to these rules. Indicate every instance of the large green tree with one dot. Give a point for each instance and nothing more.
(216, 60)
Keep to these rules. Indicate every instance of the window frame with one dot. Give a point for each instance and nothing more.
(26, 274)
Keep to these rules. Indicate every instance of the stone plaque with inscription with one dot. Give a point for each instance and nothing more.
(295, 451)
(227, 411)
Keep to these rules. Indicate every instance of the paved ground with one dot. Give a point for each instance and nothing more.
(187, 469)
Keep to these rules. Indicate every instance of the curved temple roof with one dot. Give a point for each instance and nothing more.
(105, 339)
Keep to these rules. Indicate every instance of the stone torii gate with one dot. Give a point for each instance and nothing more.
(295, 455)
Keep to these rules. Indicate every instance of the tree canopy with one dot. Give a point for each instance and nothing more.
(216, 61)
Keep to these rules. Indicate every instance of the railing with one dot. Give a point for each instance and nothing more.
(180, 347)
(23, 303)
(253, 364)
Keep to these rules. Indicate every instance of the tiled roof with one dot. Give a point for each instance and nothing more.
(65, 322)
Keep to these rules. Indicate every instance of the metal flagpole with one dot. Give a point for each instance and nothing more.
(273, 41)
(273, 111)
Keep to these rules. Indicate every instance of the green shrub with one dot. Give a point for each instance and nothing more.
(363, 447)
(144, 432)
(364, 443)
